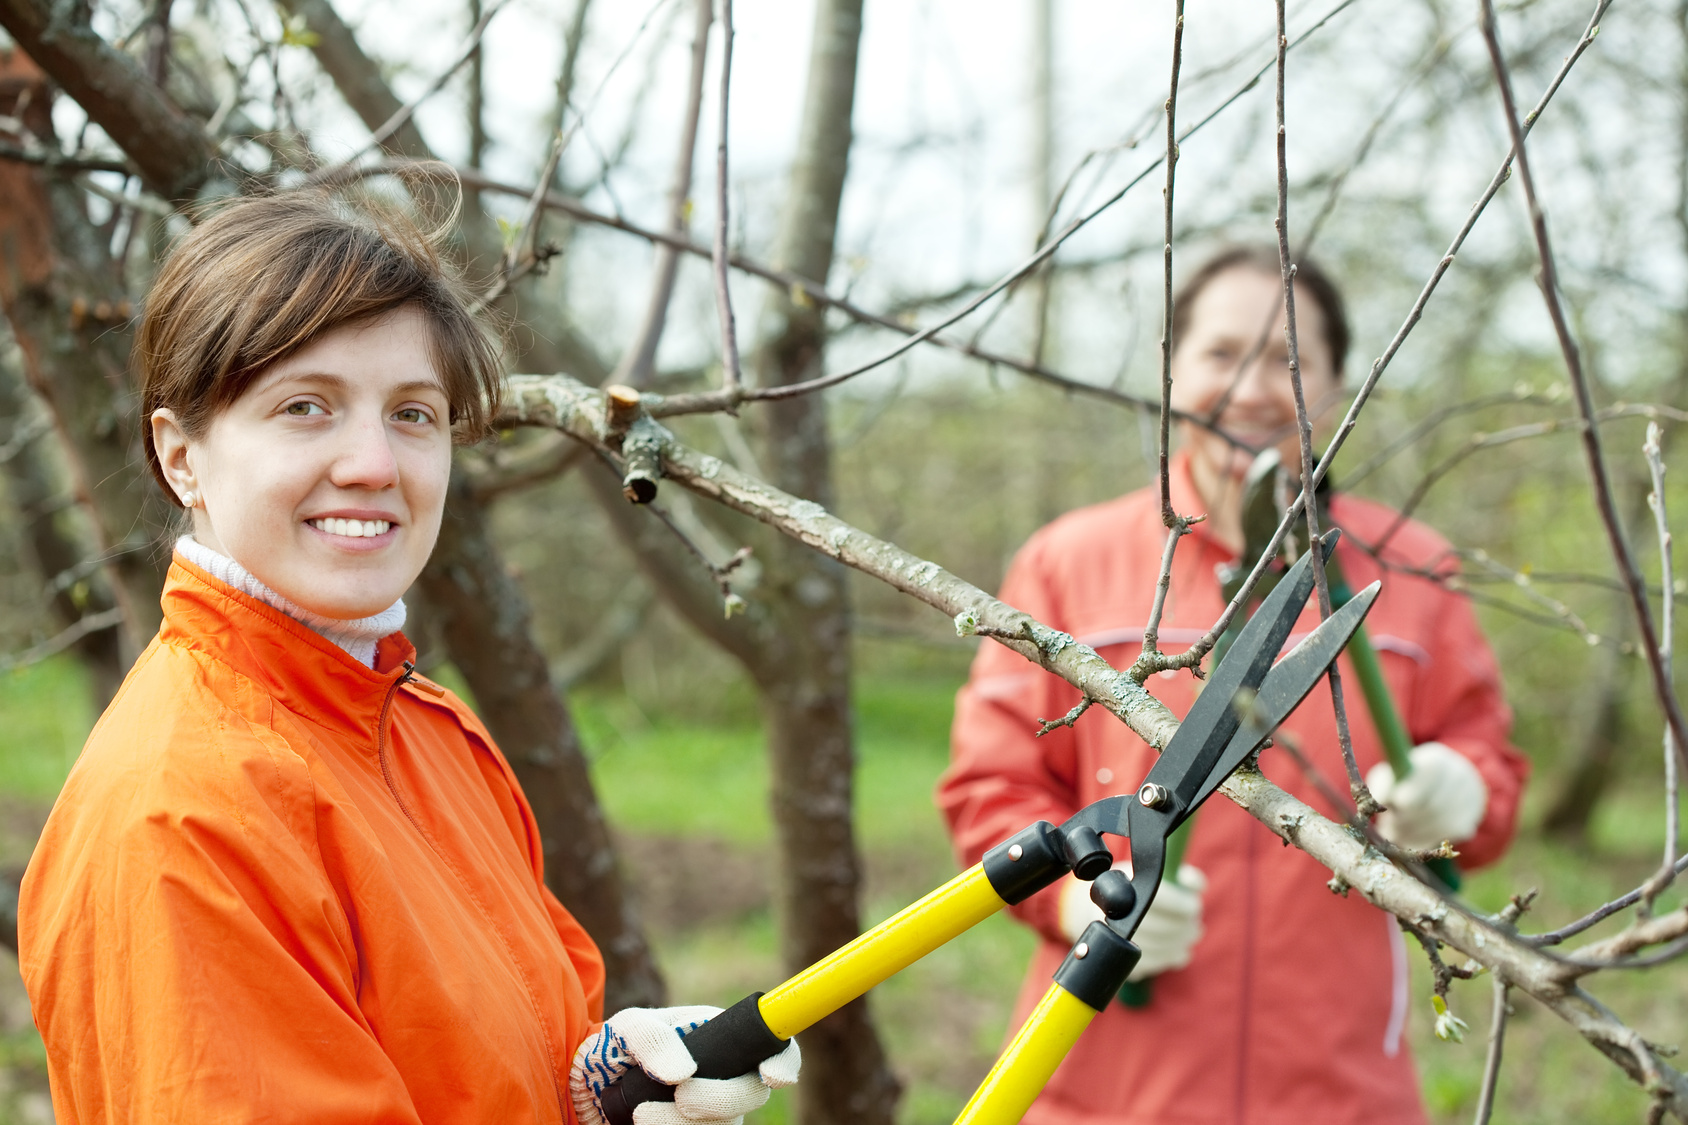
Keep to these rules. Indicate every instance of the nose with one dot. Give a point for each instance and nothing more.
(365, 459)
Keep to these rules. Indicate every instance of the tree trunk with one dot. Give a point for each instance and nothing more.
(804, 678)
(58, 547)
(63, 294)
(484, 618)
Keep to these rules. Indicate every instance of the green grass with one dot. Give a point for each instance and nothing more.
(45, 715)
(943, 1019)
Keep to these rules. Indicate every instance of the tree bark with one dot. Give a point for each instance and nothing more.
(58, 547)
(485, 619)
(169, 148)
(64, 296)
(804, 676)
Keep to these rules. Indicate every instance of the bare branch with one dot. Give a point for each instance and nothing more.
(1627, 567)
(465, 51)
(1304, 425)
(1168, 516)
(731, 377)
(566, 404)
(58, 642)
(638, 364)
(1656, 500)
(1491, 1063)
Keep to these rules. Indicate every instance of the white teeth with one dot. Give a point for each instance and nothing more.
(353, 529)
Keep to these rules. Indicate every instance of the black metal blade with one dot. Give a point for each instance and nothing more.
(1286, 686)
(1213, 719)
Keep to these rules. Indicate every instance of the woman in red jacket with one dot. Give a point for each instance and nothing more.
(1276, 1001)
(288, 879)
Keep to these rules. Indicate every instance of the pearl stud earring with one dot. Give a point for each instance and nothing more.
(189, 500)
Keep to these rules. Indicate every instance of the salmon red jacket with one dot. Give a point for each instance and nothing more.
(281, 886)
(1293, 1006)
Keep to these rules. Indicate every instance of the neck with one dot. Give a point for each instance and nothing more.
(1222, 494)
(358, 636)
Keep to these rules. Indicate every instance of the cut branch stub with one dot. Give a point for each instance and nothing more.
(628, 428)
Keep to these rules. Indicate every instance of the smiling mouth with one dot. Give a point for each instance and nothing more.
(352, 529)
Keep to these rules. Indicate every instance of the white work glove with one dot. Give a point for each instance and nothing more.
(650, 1038)
(1168, 931)
(1443, 798)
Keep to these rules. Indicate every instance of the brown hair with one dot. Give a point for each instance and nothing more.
(1310, 278)
(265, 277)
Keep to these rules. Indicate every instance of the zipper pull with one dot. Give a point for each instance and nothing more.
(410, 677)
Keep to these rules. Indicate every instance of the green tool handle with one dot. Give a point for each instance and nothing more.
(1386, 720)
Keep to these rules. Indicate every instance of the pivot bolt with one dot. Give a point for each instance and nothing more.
(1015, 851)
(1081, 950)
(1153, 796)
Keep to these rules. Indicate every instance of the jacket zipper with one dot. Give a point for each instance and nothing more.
(381, 746)
(392, 787)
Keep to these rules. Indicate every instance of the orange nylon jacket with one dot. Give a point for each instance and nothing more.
(280, 886)
(1293, 1007)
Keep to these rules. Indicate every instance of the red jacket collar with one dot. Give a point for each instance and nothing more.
(304, 672)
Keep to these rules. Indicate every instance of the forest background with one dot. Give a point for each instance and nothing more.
(977, 129)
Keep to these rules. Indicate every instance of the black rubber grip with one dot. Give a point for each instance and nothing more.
(731, 1044)
(1026, 862)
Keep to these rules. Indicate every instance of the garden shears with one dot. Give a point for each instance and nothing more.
(1249, 693)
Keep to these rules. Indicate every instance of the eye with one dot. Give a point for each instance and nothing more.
(414, 415)
(302, 408)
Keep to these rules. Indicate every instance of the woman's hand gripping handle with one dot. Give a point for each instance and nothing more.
(680, 1066)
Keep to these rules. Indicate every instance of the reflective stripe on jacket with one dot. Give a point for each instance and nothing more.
(280, 886)
(1293, 1006)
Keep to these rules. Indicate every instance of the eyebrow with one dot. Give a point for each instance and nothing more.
(340, 381)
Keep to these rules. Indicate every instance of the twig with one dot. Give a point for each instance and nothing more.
(639, 362)
(1491, 1063)
(52, 646)
(1151, 660)
(671, 405)
(566, 404)
(1168, 516)
(1667, 625)
(718, 400)
(57, 161)
(1356, 783)
(1625, 558)
(393, 124)
(1381, 364)
(1597, 915)
(731, 378)
(1044, 726)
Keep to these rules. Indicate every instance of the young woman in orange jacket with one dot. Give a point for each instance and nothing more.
(289, 879)
(1277, 1001)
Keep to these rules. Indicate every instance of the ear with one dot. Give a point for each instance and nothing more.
(170, 443)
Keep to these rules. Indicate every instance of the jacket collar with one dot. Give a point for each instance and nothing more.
(303, 672)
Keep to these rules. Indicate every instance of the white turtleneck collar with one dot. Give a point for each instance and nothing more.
(358, 636)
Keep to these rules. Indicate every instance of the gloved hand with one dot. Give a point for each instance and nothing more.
(650, 1038)
(1443, 798)
(1168, 931)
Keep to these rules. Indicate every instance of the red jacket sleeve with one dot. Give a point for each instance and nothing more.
(1459, 703)
(1001, 778)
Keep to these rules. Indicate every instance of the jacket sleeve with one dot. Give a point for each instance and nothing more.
(1001, 776)
(1459, 702)
(190, 960)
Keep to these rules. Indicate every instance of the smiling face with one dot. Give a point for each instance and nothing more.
(1238, 316)
(326, 478)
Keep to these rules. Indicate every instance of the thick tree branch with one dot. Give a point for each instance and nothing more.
(565, 404)
(169, 148)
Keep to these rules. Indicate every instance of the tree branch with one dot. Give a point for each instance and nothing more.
(568, 405)
(1621, 553)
